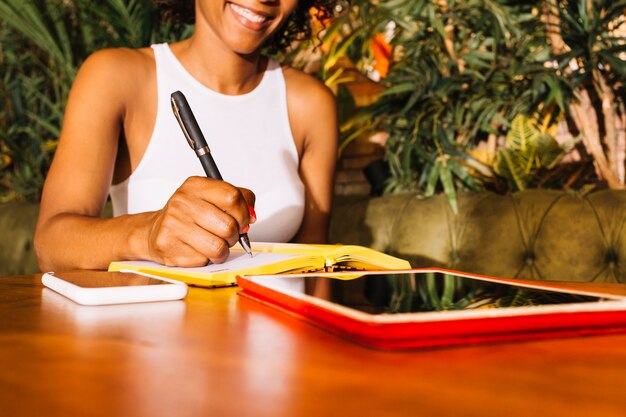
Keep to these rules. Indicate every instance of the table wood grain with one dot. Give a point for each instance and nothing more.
(218, 354)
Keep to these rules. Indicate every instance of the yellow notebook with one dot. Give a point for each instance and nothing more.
(271, 258)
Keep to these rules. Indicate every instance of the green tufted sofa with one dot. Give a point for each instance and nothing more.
(17, 224)
(537, 234)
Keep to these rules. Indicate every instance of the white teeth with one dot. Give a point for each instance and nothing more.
(248, 14)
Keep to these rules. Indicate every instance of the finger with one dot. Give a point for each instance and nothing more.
(169, 241)
(182, 243)
(206, 245)
(185, 256)
(221, 194)
(188, 257)
(251, 200)
(234, 204)
(248, 195)
(213, 220)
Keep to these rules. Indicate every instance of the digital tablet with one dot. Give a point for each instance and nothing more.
(101, 287)
(435, 307)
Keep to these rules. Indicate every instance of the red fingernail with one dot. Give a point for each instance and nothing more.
(245, 229)
(252, 212)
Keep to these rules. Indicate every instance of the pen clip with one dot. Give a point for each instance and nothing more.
(182, 125)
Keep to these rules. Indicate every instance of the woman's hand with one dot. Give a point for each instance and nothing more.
(199, 223)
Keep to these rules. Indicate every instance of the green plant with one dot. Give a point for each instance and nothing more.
(338, 53)
(527, 148)
(42, 43)
(466, 81)
(464, 71)
(588, 43)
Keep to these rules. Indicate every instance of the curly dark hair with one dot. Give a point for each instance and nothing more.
(297, 27)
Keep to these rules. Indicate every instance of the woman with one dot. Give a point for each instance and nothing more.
(271, 130)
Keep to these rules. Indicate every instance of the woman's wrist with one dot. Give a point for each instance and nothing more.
(137, 245)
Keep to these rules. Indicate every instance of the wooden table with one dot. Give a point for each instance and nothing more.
(218, 354)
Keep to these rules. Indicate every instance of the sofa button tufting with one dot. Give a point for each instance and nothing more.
(611, 258)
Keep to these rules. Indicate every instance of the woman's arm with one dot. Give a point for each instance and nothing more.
(199, 223)
(313, 117)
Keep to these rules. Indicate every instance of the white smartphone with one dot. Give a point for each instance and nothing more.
(102, 287)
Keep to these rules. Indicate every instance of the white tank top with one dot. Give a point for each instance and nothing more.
(250, 139)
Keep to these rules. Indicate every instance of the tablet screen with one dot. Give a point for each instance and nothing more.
(421, 292)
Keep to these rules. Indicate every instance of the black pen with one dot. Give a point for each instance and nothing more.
(195, 138)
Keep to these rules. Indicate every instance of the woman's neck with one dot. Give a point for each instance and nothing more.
(217, 68)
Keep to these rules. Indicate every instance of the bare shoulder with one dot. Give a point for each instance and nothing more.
(306, 92)
(108, 80)
(119, 61)
(312, 114)
(312, 110)
(119, 64)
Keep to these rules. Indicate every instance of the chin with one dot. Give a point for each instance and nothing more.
(243, 47)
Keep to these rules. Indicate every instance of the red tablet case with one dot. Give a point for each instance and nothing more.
(446, 332)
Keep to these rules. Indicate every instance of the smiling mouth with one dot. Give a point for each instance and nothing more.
(248, 14)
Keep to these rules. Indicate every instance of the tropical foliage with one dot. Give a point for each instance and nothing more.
(588, 42)
(479, 94)
(42, 43)
(527, 149)
(494, 94)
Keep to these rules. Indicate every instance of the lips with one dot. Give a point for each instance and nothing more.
(249, 18)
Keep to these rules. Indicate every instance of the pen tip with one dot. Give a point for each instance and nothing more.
(244, 241)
